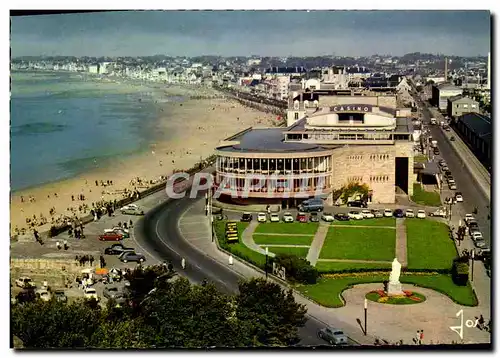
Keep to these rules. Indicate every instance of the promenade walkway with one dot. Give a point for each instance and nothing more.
(317, 244)
(247, 239)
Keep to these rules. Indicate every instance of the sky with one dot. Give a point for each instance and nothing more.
(245, 33)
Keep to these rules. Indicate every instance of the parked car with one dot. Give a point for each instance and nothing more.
(275, 218)
(409, 213)
(367, 214)
(314, 217)
(469, 217)
(262, 217)
(476, 235)
(117, 249)
(327, 217)
(388, 213)
(442, 163)
(356, 215)
(333, 336)
(119, 231)
(132, 209)
(342, 217)
(128, 256)
(421, 214)
(398, 213)
(452, 186)
(479, 242)
(90, 293)
(357, 204)
(458, 197)
(43, 294)
(59, 295)
(378, 213)
(25, 282)
(287, 217)
(441, 212)
(246, 217)
(110, 236)
(301, 217)
(452, 138)
(445, 168)
(111, 292)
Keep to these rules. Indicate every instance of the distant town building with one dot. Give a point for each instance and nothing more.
(441, 93)
(475, 130)
(459, 105)
(94, 69)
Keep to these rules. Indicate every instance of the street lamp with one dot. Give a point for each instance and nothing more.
(267, 253)
(472, 267)
(366, 313)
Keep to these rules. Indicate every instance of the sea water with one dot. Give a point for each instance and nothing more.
(63, 124)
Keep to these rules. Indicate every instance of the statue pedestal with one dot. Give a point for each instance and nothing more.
(394, 289)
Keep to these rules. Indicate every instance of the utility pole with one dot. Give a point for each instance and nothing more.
(366, 314)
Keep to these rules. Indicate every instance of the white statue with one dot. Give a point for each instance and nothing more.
(396, 271)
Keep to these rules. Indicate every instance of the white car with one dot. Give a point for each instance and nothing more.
(388, 213)
(480, 243)
(476, 235)
(459, 198)
(275, 218)
(262, 217)
(90, 293)
(421, 214)
(288, 218)
(452, 186)
(356, 215)
(24, 282)
(409, 213)
(367, 214)
(43, 294)
(116, 228)
(469, 217)
(327, 217)
(129, 206)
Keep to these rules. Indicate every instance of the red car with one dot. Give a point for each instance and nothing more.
(301, 217)
(110, 236)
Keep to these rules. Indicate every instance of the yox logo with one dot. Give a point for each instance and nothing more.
(469, 324)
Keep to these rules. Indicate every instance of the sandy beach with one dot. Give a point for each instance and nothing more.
(195, 127)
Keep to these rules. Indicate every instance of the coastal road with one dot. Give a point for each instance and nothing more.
(466, 183)
(158, 232)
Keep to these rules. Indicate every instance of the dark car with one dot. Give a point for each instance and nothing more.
(398, 213)
(111, 292)
(116, 249)
(314, 218)
(341, 217)
(357, 204)
(132, 257)
(436, 152)
(246, 217)
(110, 236)
(60, 296)
(452, 138)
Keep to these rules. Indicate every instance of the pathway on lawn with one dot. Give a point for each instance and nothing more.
(273, 245)
(279, 234)
(401, 246)
(247, 238)
(355, 261)
(317, 244)
(367, 226)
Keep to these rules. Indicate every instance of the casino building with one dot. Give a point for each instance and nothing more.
(329, 142)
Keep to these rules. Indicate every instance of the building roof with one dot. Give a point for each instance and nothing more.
(268, 140)
(462, 98)
(430, 168)
(478, 124)
(404, 125)
(286, 70)
(447, 86)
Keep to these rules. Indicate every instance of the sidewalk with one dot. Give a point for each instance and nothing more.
(317, 244)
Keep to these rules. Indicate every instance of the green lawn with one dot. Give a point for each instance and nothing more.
(238, 249)
(327, 291)
(428, 198)
(368, 222)
(262, 239)
(328, 266)
(297, 251)
(287, 228)
(429, 245)
(420, 159)
(359, 244)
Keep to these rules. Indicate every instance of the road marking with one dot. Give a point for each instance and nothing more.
(192, 223)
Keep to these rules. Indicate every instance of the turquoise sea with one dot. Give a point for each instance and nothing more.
(63, 124)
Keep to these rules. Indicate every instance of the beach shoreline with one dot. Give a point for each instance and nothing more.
(198, 124)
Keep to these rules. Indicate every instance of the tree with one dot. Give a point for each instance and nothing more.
(274, 312)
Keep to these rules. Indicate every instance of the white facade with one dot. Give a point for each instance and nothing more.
(94, 69)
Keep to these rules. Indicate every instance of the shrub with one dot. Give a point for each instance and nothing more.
(460, 273)
(297, 269)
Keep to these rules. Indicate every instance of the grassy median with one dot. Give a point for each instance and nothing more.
(427, 198)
